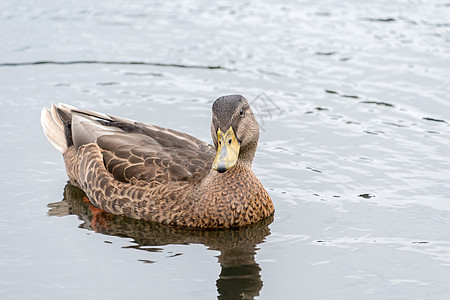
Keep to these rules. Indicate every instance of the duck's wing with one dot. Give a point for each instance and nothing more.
(146, 152)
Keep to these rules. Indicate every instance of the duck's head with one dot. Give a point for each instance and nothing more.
(235, 133)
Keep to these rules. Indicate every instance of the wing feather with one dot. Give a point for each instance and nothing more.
(133, 150)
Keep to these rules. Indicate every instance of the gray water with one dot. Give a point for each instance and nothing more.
(352, 100)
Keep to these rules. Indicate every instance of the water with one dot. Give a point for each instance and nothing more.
(352, 98)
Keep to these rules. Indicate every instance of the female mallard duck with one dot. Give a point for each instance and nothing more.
(153, 173)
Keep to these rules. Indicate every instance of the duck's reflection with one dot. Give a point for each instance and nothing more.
(240, 274)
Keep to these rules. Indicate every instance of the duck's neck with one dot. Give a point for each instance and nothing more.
(246, 155)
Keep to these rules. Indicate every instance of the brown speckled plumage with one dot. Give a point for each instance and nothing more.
(157, 174)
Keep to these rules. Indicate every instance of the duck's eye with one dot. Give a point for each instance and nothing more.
(220, 142)
(229, 141)
(241, 112)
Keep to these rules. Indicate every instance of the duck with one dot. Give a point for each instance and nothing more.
(161, 175)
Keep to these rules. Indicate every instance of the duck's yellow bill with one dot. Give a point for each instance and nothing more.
(227, 151)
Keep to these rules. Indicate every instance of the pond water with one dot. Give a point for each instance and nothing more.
(352, 101)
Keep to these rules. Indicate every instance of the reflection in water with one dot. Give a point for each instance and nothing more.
(240, 275)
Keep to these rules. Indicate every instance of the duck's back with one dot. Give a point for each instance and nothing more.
(154, 154)
(132, 149)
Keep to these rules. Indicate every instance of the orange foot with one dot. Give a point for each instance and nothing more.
(99, 217)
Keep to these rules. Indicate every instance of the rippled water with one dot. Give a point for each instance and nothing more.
(352, 99)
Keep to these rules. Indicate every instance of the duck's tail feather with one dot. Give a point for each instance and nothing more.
(56, 124)
(66, 126)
